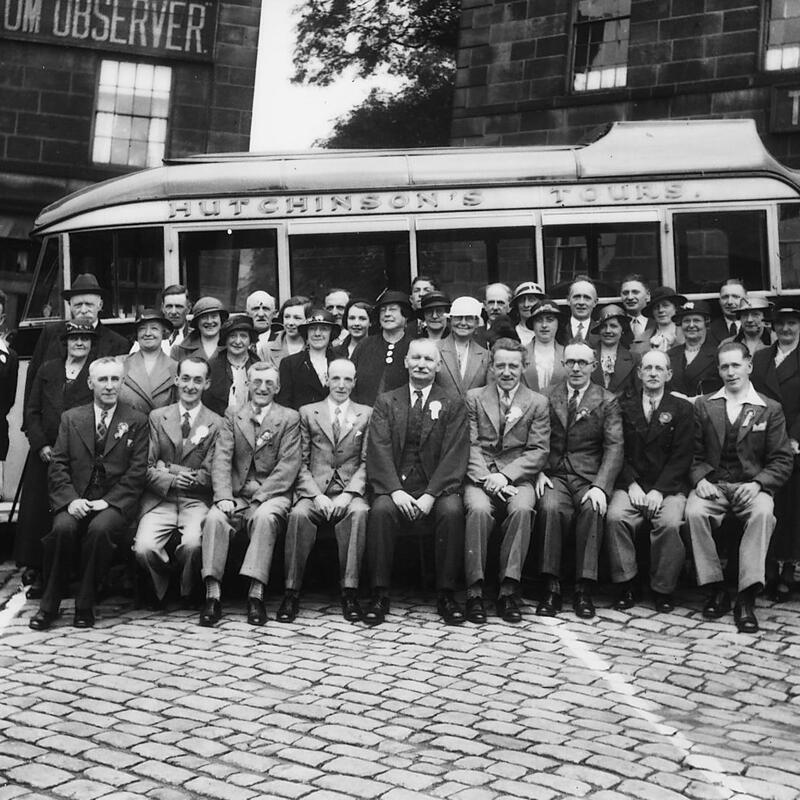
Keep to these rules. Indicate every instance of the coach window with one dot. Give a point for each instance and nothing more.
(712, 246)
(229, 264)
(600, 35)
(782, 41)
(789, 244)
(464, 261)
(45, 301)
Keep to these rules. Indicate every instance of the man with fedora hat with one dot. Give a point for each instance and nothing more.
(465, 363)
(694, 363)
(380, 359)
(228, 368)
(204, 340)
(432, 313)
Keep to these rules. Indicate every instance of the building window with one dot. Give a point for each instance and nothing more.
(130, 125)
(600, 44)
(783, 35)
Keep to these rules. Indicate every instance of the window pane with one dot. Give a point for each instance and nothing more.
(363, 263)
(600, 44)
(604, 252)
(783, 36)
(712, 247)
(789, 243)
(144, 77)
(229, 264)
(46, 302)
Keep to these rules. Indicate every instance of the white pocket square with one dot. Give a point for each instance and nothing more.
(761, 426)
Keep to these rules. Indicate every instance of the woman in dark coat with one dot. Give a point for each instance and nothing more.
(227, 370)
(615, 368)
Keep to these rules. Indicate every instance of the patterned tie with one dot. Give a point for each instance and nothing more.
(337, 424)
(572, 406)
(186, 426)
(579, 335)
(505, 405)
(418, 401)
(732, 329)
(651, 409)
(102, 428)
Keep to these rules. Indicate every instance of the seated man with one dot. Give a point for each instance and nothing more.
(96, 477)
(651, 488)
(256, 460)
(330, 488)
(509, 442)
(585, 457)
(178, 492)
(416, 458)
(742, 456)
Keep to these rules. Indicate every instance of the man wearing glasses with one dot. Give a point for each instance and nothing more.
(573, 490)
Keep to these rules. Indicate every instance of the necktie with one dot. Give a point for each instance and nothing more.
(635, 327)
(579, 334)
(173, 336)
(505, 404)
(651, 409)
(186, 427)
(337, 425)
(417, 401)
(102, 428)
(572, 407)
(732, 329)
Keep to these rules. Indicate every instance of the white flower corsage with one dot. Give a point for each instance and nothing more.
(748, 417)
(264, 438)
(513, 414)
(122, 429)
(199, 435)
(584, 412)
(435, 408)
(665, 418)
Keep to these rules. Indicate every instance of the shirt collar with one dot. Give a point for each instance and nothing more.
(752, 397)
(192, 412)
(581, 392)
(512, 394)
(425, 392)
(99, 411)
(345, 407)
(259, 415)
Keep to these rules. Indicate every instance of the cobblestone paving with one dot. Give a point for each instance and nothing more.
(629, 705)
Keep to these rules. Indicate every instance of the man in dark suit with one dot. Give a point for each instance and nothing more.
(416, 459)
(651, 488)
(694, 363)
(509, 440)
(585, 457)
(742, 456)
(96, 478)
(732, 296)
(582, 299)
(635, 295)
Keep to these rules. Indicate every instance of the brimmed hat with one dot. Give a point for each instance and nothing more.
(207, 305)
(77, 329)
(693, 307)
(151, 315)
(391, 296)
(85, 283)
(527, 287)
(320, 317)
(466, 307)
(663, 293)
(754, 304)
(544, 306)
(238, 322)
(786, 306)
(432, 300)
(612, 311)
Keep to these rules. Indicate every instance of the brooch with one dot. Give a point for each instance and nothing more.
(665, 418)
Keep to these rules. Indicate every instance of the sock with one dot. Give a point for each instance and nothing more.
(213, 589)
(509, 587)
(256, 590)
(475, 590)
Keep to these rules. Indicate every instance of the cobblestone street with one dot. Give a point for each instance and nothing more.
(632, 705)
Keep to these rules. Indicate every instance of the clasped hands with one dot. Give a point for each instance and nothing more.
(413, 508)
(81, 508)
(332, 508)
(742, 496)
(648, 503)
(498, 485)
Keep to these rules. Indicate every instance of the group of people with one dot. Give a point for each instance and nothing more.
(564, 427)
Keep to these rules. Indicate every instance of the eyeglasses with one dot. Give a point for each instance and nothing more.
(581, 363)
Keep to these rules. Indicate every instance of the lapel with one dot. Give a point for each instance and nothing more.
(474, 361)
(700, 363)
(201, 420)
(491, 405)
(311, 372)
(592, 398)
(435, 396)
(653, 430)
(402, 405)
(244, 421)
(172, 426)
(622, 366)
(751, 415)
(269, 423)
(112, 437)
(161, 373)
(323, 418)
(85, 427)
(716, 413)
(137, 376)
(350, 422)
(558, 401)
(522, 399)
(450, 360)
(771, 377)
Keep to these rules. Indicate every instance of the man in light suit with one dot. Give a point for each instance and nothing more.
(509, 442)
(330, 488)
(178, 492)
(96, 477)
(416, 459)
(742, 456)
(465, 363)
(585, 457)
(256, 460)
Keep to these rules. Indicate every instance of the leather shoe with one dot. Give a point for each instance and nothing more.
(717, 605)
(744, 616)
(449, 610)
(351, 610)
(508, 608)
(36, 588)
(663, 603)
(376, 611)
(210, 613)
(42, 620)
(256, 613)
(625, 600)
(84, 618)
(476, 610)
(288, 608)
(549, 605)
(582, 604)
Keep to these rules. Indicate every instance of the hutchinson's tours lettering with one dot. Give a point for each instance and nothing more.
(176, 28)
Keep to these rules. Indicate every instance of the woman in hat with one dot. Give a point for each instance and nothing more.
(694, 363)
(433, 312)
(357, 321)
(149, 380)
(664, 302)
(545, 354)
(227, 370)
(753, 330)
(292, 314)
(615, 367)
(524, 300)
(304, 375)
(58, 385)
(208, 315)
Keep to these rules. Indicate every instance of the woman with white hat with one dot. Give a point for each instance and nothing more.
(523, 301)
(464, 362)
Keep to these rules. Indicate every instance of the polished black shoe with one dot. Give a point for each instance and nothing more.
(288, 608)
(745, 617)
(35, 588)
(775, 590)
(256, 613)
(508, 608)
(42, 620)
(351, 610)
(717, 605)
(549, 605)
(625, 600)
(30, 576)
(476, 610)
(582, 604)
(210, 613)
(449, 610)
(376, 610)
(84, 618)
(663, 603)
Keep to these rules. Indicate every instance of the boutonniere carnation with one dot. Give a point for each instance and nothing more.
(748, 417)
(264, 438)
(584, 412)
(435, 408)
(665, 418)
(122, 429)
(199, 435)
(513, 414)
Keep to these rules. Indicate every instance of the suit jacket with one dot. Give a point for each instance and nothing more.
(530, 376)
(123, 462)
(641, 344)
(592, 447)
(322, 457)
(221, 376)
(444, 441)
(273, 450)
(300, 384)
(191, 345)
(145, 392)
(449, 375)
(699, 377)
(623, 379)
(50, 398)
(718, 331)
(762, 445)
(521, 452)
(9, 371)
(564, 333)
(780, 383)
(273, 351)
(169, 455)
(658, 454)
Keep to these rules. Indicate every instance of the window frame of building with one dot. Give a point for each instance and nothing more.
(576, 24)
